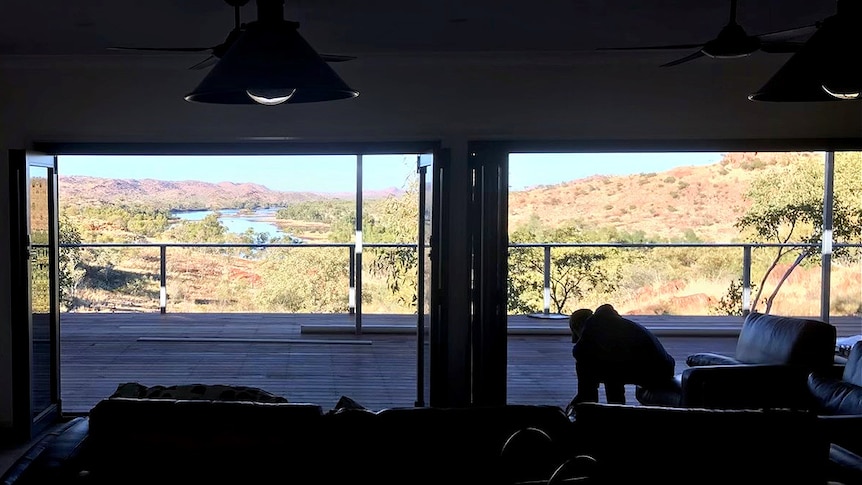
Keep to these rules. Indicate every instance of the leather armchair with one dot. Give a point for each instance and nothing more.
(773, 357)
(838, 402)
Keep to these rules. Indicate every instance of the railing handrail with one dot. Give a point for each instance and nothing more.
(354, 292)
(234, 245)
(678, 244)
(414, 245)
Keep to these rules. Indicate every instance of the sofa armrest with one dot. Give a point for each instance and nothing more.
(834, 396)
(843, 430)
(746, 386)
(845, 466)
(709, 358)
(57, 457)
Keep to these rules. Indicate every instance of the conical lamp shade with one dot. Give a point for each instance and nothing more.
(270, 63)
(826, 63)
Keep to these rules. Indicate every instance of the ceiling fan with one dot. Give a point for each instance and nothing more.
(733, 41)
(218, 50)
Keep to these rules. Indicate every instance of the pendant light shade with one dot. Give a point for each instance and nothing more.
(271, 64)
(825, 68)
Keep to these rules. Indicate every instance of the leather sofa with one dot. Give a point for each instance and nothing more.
(773, 357)
(838, 401)
(671, 445)
(140, 440)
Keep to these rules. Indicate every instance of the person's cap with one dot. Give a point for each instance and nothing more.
(578, 317)
(607, 307)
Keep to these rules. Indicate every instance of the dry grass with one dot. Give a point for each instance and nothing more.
(800, 295)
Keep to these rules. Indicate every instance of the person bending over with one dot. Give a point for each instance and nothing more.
(614, 351)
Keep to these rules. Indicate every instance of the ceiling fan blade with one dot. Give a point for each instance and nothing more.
(690, 57)
(209, 61)
(787, 34)
(165, 49)
(781, 47)
(336, 58)
(652, 47)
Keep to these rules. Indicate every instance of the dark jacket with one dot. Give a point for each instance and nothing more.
(616, 348)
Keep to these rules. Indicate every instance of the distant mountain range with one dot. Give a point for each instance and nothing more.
(189, 194)
(706, 200)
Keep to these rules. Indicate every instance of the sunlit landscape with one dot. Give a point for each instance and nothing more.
(290, 250)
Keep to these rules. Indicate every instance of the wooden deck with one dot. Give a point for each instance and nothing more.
(319, 357)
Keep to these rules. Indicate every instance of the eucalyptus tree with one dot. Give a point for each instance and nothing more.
(787, 207)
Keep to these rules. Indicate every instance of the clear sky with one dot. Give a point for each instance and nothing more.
(337, 173)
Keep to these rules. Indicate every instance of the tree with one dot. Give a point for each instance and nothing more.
(731, 302)
(70, 272)
(209, 229)
(304, 280)
(787, 205)
(574, 272)
(395, 219)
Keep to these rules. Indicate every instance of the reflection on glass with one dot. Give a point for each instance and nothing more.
(40, 288)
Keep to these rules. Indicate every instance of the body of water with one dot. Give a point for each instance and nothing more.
(237, 222)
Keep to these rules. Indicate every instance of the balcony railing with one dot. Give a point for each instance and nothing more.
(746, 249)
(354, 290)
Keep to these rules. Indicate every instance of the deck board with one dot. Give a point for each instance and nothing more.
(276, 352)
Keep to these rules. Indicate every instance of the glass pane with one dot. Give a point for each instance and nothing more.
(390, 218)
(846, 277)
(40, 280)
(427, 161)
(636, 230)
(257, 254)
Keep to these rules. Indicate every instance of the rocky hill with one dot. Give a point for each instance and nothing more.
(705, 199)
(190, 194)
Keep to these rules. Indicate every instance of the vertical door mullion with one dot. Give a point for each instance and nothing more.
(489, 224)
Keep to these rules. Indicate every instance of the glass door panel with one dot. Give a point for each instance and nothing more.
(35, 326)
(41, 294)
(424, 281)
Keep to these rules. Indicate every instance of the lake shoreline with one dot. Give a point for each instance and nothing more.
(259, 221)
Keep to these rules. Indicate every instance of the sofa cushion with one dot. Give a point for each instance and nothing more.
(772, 339)
(198, 392)
(345, 403)
(835, 396)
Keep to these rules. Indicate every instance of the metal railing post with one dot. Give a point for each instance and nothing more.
(357, 248)
(826, 237)
(163, 279)
(746, 279)
(546, 292)
(351, 292)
